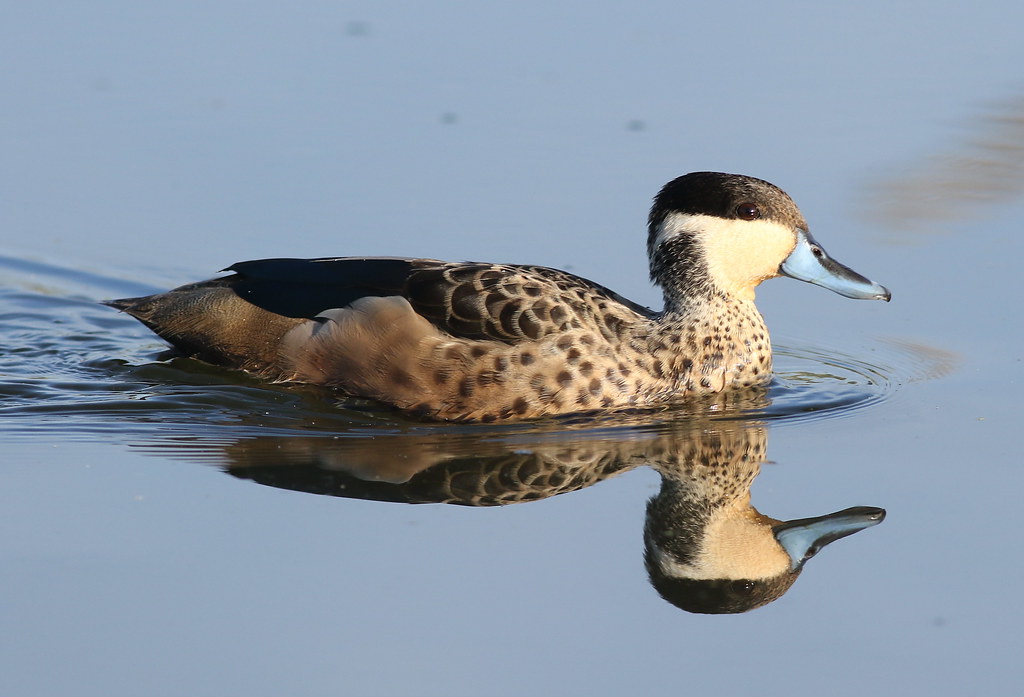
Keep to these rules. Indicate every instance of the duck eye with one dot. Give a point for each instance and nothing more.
(748, 211)
(744, 587)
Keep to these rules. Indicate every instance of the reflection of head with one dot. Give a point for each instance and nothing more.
(719, 596)
(707, 549)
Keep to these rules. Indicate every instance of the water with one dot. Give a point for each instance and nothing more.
(167, 527)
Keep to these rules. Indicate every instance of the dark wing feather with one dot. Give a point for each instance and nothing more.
(307, 287)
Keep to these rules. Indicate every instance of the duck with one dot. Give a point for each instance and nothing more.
(487, 342)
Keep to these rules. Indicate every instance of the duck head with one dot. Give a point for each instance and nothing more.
(713, 233)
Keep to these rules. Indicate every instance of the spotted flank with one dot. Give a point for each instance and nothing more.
(489, 342)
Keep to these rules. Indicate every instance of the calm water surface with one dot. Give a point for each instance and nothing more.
(170, 528)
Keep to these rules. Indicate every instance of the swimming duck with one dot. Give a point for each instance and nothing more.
(469, 341)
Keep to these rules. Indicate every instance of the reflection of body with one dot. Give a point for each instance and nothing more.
(487, 342)
(707, 548)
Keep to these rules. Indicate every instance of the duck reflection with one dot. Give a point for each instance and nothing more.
(707, 549)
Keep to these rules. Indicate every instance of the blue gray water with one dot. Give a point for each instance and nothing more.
(158, 530)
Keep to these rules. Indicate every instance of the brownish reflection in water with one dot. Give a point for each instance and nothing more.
(985, 166)
(707, 549)
(923, 362)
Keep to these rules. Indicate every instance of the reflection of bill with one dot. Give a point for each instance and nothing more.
(706, 548)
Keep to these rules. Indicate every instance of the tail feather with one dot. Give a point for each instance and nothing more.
(212, 323)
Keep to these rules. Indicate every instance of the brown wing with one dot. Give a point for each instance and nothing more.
(512, 303)
(239, 320)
